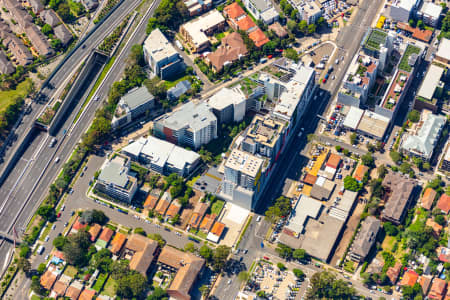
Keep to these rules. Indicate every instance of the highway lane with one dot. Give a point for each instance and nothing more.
(64, 148)
(64, 73)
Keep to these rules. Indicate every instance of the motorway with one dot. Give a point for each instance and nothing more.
(293, 158)
(25, 187)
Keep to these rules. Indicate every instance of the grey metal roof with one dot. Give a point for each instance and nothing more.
(427, 136)
(179, 89)
(137, 97)
(366, 237)
(195, 116)
(115, 173)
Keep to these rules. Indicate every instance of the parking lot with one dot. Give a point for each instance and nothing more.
(268, 278)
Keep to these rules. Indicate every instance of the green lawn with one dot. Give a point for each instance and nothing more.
(70, 271)
(216, 208)
(202, 235)
(349, 266)
(193, 180)
(170, 84)
(100, 282)
(110, 288)
(8, 97)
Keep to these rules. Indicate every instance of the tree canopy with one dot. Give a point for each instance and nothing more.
(75, 248)
(324, 285)
(352, 184)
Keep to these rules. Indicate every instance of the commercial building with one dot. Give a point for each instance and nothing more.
(161, 56)
(115, 179)
(196, 32)
(241, 181)
(308, 10)
(232, 48)
(430, 13)
(373, 125)
(228, 105)
(430, 90)
(264, 136)
(358, 80)
(365, 239)
(187, 267)
(341, 209)
(443, 53)
(192, 125)
(291, 98)
(305, 208)
(262, 10)
(197, 7)
(132, 105)
(398, 195)
(394, 95)
(402, 10)
(162, 157)
(422, 141)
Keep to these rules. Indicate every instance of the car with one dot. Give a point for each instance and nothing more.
(96, 98)
(83, 46)
(334, 77)
(47, 238)
(72, 212)
(85, 168)
(229, 281)
(46, 257)
(82, 174)
(63, 207)
(57, 159)
(40, 250)
(65, 224)
(324, 80)
(52, 142)
(53, 226)
(58, 215)
(258, 219)
(336, 61)
(245, 251)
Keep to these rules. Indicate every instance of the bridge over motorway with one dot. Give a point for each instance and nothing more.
(10, 237)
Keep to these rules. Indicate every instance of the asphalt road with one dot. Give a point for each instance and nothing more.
(293, 159)
(26, 186)
(67, 69)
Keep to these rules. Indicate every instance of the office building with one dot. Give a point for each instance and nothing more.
(402, 10)
(115, 179)
(192, 125)
(228, 105)
(443, 54)
(196, 32)
(162, 157)
(197, 7)
(161, 56)
(308, 10)
(132, 105)
(430, 13)
(422, 141)
(430, 90)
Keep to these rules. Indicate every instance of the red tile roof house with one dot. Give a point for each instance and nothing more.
(409, 278)
(77, 226)
(444, 203)
(438, 289)
(428, 198)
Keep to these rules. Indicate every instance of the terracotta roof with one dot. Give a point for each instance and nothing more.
(437, 290)
(333, 161)
(444, 203)
(208, 222)
(117, 242)
(78, 225)
(409, 278)
(360, 171)
(59, 288)
(87, 294)
(58, 254)
(48, 278)
(435, 226)
(94, 231)
(231, 49)
(424, 282)
(162, 206)
(234, 10)
(74, 290)
(393, 272)
(278, 29)
(428, 198)
(417, 33)
(151, 201)
(258, 37)
(144, 249)
(106, 234)
(217, 229)
(246, 23)
(188, 267)
(174, 208)
(309, 179)
(447, 295)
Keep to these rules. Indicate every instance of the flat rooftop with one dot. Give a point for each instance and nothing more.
(244, 162)
(373, 124)
(430, 82)
(306, 207)
(265, 130)
(197, 27)
(158, 45)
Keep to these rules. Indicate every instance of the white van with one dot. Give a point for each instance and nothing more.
(40, 250)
